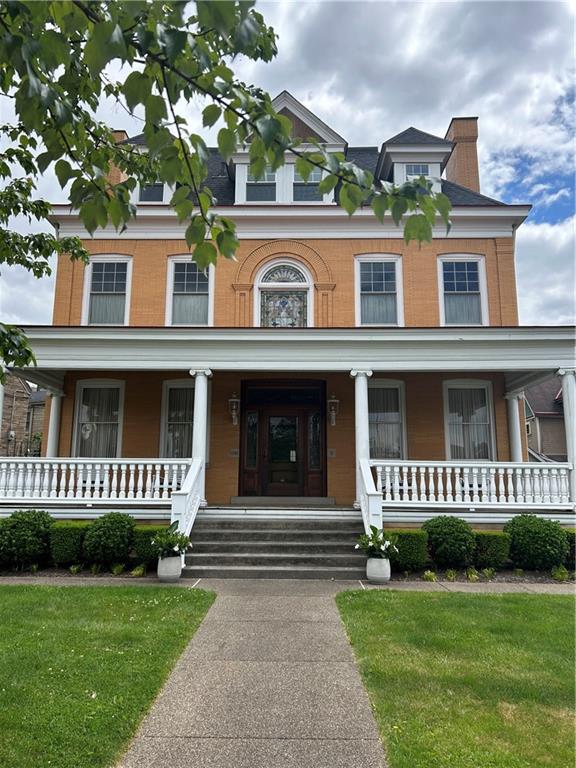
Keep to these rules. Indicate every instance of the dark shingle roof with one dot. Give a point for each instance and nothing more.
(462, 196)
(364, 157)
(545, 397)
(140, 140)
(414, 136)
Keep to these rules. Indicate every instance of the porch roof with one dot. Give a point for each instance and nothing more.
(525, 354)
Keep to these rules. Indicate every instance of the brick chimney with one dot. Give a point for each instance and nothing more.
(462, 167)
(116, 176)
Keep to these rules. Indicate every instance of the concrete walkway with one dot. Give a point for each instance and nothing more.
(268, 681)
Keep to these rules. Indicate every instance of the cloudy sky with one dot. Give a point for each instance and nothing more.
(371, 69)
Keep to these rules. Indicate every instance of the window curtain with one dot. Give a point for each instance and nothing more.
(385, 423)
(107, 308)
(469, 424)
(378, 309)
(190, 309)
(98, 422)
(462, 309)
(179, 424)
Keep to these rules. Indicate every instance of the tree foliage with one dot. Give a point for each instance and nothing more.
(55, 65)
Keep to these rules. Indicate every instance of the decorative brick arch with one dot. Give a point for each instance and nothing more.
(297, 251)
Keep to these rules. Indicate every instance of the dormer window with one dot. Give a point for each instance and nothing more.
(261, 190)
(152, 193)
(307, 191)
(415, 170)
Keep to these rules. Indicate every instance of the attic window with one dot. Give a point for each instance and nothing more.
(261, 190)
(306, 191)
(415, 170)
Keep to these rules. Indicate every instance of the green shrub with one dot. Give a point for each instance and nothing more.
(66, 539)
(472, 575)
(412, 548)
(25, 538)
(488, 573)
(536, 544)
(143, 535)
(139, 571)
(492, 549)
(117, 569)
(429, 576)
(450, 541)
(109, 538)
(570, 561)
(560, 573)
(75, 569)
(451, 575)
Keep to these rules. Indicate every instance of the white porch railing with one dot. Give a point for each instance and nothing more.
(186, 502)
(370, 497)
(91, 480)
(472, 484)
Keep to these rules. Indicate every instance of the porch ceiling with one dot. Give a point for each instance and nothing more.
(525, 354)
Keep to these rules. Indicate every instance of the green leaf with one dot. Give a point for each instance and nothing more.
(380, 206)
(398, 208)
(417, 227)
(137, 88)
(227, 243)
(64, 172)
(179, 195)
(443, 206)
(304, 168)
(350, 197)
(327, 184)
(196, 231)
(226, 143)
(220, 15)
(210, 115)
(205, 254)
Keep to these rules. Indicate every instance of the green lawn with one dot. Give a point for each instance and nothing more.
(80, 666)
(467, 681)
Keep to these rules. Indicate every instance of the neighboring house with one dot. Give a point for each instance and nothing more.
(545, 422)
(21, 418)
(328, 364)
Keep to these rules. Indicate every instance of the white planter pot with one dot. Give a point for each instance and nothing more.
(169, 568)
(378, 570)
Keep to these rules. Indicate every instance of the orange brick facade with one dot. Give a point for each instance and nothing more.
(331, 263)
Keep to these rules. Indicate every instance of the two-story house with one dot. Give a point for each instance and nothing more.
(329, 369)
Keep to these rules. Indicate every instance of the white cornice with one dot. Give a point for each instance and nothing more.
(293, 221)
(515, 351)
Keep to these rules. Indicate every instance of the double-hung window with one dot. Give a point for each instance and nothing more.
(379, 291)
(263, 189)
(386, 419)
(307, 191)
(151, 193)
(468, 416)
(462, 283)
(190, 290)
(177, 419)
(107, 299)
(98, 419)
(415, 170)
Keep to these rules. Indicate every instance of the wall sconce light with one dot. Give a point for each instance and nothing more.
(333, 407)
(234, 408)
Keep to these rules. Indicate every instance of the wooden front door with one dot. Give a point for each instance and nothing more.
(283, 439)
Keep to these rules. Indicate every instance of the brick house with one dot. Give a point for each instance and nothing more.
(21, 418)
(330, 369)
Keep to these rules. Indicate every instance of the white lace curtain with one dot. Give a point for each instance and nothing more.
(385, 423)
(179, 422)
(462, 309)
(469, 424)
(97, 429)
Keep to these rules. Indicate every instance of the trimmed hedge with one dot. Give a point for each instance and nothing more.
(66, 540)
(451, 541)
(25, 538)
(570, 561)
(143, 535)
(536, 544)
(492, 549)
(412, 552)
(109, 539)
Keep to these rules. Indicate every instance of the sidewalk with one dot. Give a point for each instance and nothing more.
(268, 681)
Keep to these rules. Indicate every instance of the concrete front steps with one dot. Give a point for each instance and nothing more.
(240, 548)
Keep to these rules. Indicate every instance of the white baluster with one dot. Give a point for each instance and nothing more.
(140, 481)
(528, 485)
(379, 478)
(106, 481)
(63, 478)
(484, 484)
(54, 481)
(431, 485)
(45, 492)
(387, 483)
(396, 481)
(449, 494)
(166, 481)
(466, 483)
(77, 480)
(413, 484)
(88, 481)
(157, 481)
(554, 489)
(405, 484)
(537, 486)
(519, 485)
(422, 483)
(493, 496)
(114, 482)
(501, 486)
(440, 483)
(545, 485)
(122, 489)
(457, 485)
(563, 485)
(475, 497)
(131, 480)
(97, 490)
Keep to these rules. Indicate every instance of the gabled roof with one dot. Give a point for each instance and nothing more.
(285, 101)
(414, 136)
(546, 398)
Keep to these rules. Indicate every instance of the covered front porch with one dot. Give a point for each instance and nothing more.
(398, 425)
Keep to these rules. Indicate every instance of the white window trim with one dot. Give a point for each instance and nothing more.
(307, 286)
(376, 257)
(97, 258)
(284, 187)
(182, 383)
(170, 288)
(83, 384)
(481, 261)
(469, 384)
(167, 192)
(376, 383)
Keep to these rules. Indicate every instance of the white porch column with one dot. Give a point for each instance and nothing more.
(568, 378)
(514, 426)
(361, 420)
(54, 425)
(200, 426)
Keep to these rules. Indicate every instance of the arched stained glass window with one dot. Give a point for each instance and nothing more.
(283, 297)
